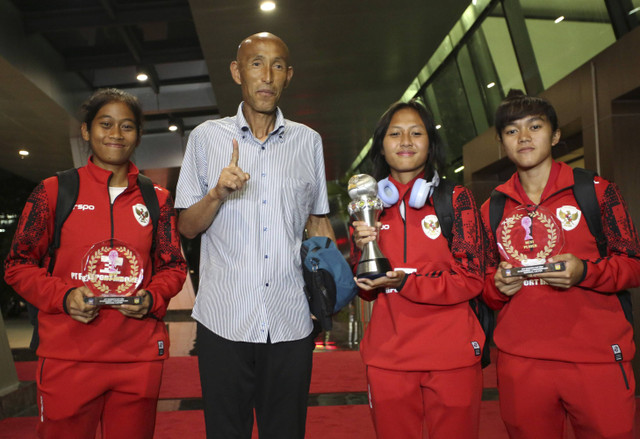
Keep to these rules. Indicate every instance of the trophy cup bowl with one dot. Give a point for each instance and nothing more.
(367, 207)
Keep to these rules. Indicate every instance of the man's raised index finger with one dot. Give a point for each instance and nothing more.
(235, 155)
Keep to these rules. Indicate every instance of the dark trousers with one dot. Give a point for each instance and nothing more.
(237, 377)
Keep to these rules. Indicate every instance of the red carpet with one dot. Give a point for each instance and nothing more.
(337, 371)
(333, 422)
(333, 372)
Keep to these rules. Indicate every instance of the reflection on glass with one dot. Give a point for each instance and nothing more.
(446, 98)
(561, 46)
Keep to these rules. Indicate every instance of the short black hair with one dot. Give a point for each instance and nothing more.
(435, 161)
(104, 96)
(518, 105)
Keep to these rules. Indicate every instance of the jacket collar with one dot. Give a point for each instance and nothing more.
(560, 178)
(102, 175)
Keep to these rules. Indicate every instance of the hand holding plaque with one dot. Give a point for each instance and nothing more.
(113, 271)
(366, 206)
(527, 238)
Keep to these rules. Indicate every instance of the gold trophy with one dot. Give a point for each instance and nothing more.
(367, 207)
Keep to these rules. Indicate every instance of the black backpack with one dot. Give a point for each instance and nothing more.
(584, 192)
(443, 204)
(68, 187)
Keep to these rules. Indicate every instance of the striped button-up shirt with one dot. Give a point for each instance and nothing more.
(251, 282)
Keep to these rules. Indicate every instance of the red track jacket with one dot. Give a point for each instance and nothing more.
(428, 324)
(111, 337)
(584, 322)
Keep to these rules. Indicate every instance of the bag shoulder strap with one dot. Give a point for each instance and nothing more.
(496, 209)
(584, 192)
(150, 200)
(68, 186)
(443, 204)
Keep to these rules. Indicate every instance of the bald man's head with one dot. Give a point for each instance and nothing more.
(262, 70)
(262, 37)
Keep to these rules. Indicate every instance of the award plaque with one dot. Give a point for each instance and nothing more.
(527, 238)
(113, 271)
(367, 207)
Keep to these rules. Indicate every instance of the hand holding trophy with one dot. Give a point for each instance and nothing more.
(113, 271)
(527, 238)
(366, 206)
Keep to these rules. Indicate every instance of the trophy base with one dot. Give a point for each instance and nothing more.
(114, 300)
(533, 269)
(373, 268)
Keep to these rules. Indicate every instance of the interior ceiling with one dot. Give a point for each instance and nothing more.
(351, 60)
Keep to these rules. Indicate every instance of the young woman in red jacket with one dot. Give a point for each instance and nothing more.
(422, 346)
(99, 364)
(564, 343)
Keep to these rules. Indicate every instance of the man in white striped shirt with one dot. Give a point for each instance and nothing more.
(251, 184)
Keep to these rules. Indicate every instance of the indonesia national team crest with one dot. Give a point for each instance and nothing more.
(141, 213)
(569, 217)
(431, 226)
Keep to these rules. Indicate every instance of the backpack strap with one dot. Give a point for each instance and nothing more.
(443, 204)
(496, 209)
(150, 200)
(68, 186)
(584, 192)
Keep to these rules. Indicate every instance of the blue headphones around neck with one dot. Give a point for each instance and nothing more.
(420, 192)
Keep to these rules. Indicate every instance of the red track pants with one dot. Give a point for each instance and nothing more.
(74, 396)
(448, 401)
(537, 396)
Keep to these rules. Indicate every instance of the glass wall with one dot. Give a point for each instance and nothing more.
(488, 52)
(566, 34)
(446, 98)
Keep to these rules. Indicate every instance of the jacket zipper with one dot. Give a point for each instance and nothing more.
(402, 208)
(110, 209)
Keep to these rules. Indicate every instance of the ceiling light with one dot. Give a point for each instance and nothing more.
(175, 124)
(438, 126)
(142, 77)
(23, 153)
(267, 6)
(459, 169)
(491, 84)
(559, 19)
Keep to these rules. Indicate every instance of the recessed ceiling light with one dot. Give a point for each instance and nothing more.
(438, 126)
(459, 169)
(559, 19)
(142, 77)
(173, 127)
(23, 153)
(267, 6)
(491, 84)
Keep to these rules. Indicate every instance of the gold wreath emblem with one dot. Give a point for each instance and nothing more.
(131, 279)
(552, 236)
